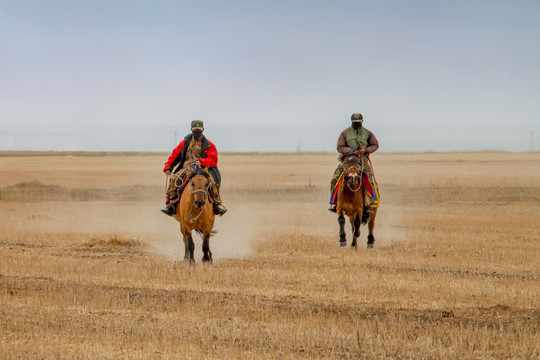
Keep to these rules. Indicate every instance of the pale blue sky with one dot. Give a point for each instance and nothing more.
(269, 75)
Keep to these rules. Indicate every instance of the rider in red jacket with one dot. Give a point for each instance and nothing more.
(194, 149)
(209, 155)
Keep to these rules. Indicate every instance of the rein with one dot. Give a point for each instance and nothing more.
(181, 177)
(206, 195)
(354, 190)
(360, 174)
(370, 167)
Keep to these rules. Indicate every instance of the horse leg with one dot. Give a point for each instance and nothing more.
(186, 251)
(341, 221)
(185, 239)
(190, 247)
(206, 249)
(371, 226)
(356, 230)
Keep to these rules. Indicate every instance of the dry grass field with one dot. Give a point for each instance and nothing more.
(90, 269)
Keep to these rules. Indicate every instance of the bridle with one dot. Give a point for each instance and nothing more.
(204, 191)
(354, 179)
(206, 197)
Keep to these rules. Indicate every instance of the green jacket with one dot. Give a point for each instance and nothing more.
(351, 139)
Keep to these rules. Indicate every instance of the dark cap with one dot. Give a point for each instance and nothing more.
(357, 117)
(197, 125)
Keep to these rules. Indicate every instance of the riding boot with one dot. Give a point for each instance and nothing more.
(333, 208)
(170, 202)
(218, 207)
(169, 210)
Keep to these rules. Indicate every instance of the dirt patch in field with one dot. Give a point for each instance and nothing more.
(113, 241)
(35, 191)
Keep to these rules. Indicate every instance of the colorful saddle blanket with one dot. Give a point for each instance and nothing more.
(369, 187)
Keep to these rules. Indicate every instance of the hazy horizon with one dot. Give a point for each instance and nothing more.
(277, 76)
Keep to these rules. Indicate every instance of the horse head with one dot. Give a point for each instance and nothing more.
(351, 167)
(199, 184)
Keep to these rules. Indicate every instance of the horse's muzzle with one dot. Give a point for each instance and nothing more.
(199, 203)
(353, 178)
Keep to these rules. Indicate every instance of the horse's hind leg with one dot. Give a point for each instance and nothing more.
(371, 226)
(207, 257)
(342, 239)
(356, 230)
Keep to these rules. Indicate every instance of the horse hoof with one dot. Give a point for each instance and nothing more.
(370, 246)
(342, 243)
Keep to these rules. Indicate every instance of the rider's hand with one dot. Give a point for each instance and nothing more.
(198, 163)
(168, 172)
(360, 151)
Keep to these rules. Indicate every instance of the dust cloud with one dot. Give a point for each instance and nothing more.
(236, 233)
(389, 228)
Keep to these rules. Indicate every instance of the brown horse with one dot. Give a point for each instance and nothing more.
(350, 202)
(195, 213)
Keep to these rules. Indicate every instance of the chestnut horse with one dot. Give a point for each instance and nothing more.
(194, 212)
(350, 201)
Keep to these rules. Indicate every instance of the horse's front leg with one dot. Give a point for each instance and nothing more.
(186, 251)
(341, 221)
(207, 257)
(185, 239)
(355, 230)
(190, 247)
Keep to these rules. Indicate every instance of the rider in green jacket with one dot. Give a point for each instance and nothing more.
(362, 142)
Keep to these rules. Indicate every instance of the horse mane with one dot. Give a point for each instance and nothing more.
(200, 171)
(350, 153)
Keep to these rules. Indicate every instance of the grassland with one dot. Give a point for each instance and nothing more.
(90, 269)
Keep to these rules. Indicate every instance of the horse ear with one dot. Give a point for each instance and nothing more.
(206, 169)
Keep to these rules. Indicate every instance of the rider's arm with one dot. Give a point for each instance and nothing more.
(174, 158)
(342, 146)
(211, 158)
(373, 143)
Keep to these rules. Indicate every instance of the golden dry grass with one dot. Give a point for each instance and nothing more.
(89, 270)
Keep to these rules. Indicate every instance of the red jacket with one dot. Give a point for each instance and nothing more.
(209, 157)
